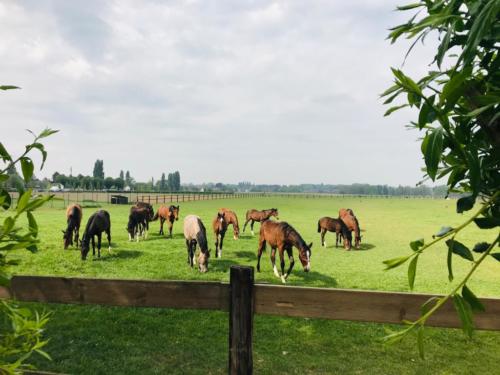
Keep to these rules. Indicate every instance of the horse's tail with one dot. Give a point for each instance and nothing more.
(155, 217)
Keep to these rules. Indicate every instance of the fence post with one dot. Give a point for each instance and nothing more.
(241, 308)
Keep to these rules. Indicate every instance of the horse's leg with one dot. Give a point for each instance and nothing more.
(262, 246)
(221, 242)
(337, 234)
(137, 231)
(244, 226)
(193, 253)
(273, 262)
(188, 250)
(323, 231)
(108, 234)
(281, 251)
(93, 246)
(216, 244)
(292, 262)
(251, 227)
(170, 227)
(77, 235)
(162, 220)
(99, 236)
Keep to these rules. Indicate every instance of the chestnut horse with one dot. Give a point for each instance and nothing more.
(282, 236)
(351, 221)
(219, 226)
(168, 214)
(74, 219)
(231, 218)
(334, 225)
(99, 222)
(260, 216)
(196, 234)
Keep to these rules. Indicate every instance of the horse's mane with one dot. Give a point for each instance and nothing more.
(85, 237)
(201, 236)
(292, 234)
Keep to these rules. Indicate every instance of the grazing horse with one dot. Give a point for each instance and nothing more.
(169, 214)
(231, 218)
(334, 225)
(151, 212)
(138, 223)
(351, 221)
(73, 218)
(196, 234)
(282, 236)
(260, 216)
(99, 222)
(219, 226)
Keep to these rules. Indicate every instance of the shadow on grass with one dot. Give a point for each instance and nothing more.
(313, 276)
(247, 237)
(364, 247)
(221, 265)
(246, 254)
(117, 254)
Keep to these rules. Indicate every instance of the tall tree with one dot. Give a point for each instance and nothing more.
(98, 169)
(163, 182)
(458, 104)
(122, 175)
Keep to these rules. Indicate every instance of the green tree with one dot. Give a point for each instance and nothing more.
(98, 169)
(458, 111)
(122, 176)
(163, 182)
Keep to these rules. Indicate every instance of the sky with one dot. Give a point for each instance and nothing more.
(281, 92)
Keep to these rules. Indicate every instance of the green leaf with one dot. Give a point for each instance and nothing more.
(487, 222)
(453, 89)
(27, 167)
(8, 87)
(432, 148)
(33, 226)
(395, 262)
(420, 341)
(23, 201)
(8, 224)
(460, 249)
(417, 244)
(449, 260)
(412, 270)
(410, 6)
(496, 256)
(471, 299)
(465, 314)
(443, 231)
(4, 279)
(428, 305)
(479, 110)
(393, 109)
(46, 133)
(5, 199)
(481, 247)
(443, 47)
(41, 148)
(4, 154)
(465, 203)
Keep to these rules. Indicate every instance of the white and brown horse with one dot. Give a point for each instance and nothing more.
(219, 226)
(196, 234)
(231, 219)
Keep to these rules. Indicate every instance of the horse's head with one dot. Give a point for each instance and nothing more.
(305, 257)
(84, 246)
(131, 229)
(347, 239)
(236, 232)
(174, 210)
(203, 259)
(67, 239)
(274, 212)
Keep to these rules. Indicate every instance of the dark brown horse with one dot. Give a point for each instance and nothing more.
(144, 227)
(282, 236)
(260, 216)
(351, 221)
(138, 220)
(196, 234)
(73, 219)
(99, 222)
(168, 214)
(328, 224)
(231, 219)
(219, 226)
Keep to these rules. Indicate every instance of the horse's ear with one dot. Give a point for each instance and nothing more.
(310, 245)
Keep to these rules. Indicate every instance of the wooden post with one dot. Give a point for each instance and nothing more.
(241, 309)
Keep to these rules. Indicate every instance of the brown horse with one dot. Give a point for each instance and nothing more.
(196, 234)
(73, 219)
(99, 222)
(351, 221)
(219, 226)
(334, 225)
(168, 214)
(231, 218)
(282, 236)
(260, 216)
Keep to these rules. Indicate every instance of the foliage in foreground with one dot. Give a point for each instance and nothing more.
(23, 335)
(458, 110)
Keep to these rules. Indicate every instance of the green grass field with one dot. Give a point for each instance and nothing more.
(93, 339)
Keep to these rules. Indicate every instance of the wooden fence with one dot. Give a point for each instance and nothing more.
(242, 298)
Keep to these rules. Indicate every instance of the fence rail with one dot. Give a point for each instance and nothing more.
(338, 304)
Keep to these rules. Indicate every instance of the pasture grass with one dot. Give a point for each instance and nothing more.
(96, 339)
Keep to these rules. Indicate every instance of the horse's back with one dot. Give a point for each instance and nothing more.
(191, 226)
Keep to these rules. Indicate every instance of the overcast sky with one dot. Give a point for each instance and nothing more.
(225, 91)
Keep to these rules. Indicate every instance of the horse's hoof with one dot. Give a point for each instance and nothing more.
(283, 279)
